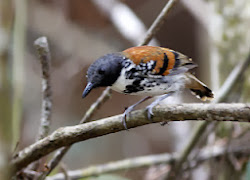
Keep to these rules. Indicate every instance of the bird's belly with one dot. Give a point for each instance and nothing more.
(141, 89)
(149, 86)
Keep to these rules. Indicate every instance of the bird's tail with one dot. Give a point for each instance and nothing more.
(198, 88)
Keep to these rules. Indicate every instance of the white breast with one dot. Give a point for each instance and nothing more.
(121, 83)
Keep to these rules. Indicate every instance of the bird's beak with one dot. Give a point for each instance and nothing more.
(87, 89)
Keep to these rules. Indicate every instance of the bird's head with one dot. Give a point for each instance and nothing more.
(103, 72)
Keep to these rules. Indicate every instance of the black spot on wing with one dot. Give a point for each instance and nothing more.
(165, 65)
(153, 66)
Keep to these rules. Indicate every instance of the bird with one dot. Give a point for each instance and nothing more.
(146, 70)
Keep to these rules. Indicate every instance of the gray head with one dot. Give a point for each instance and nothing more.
(103, 72)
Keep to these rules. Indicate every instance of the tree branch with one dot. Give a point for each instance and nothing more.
(232, 79)
(116, 11)
(126, 164)
(69, 135)
(42, 48)
(151, 160)
(155, 27)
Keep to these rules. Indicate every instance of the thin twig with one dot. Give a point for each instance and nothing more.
(232, 79)
(154, 28)
(126, 164)
(54, 162)
(215, 151)
(29, 174)
(42, 48)
(116, 11)
(64, 172)
(69, 135)
(60, 153)
(229, 83)
(147, 161)
(106, 93)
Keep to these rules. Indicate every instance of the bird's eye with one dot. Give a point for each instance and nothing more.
(101, 71)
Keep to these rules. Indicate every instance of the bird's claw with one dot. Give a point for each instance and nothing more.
(130, 108)
(124, 121)
(125, 115)
(150, 113)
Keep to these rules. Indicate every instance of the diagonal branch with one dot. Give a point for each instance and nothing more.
(69, 135)
(232, 79)
(155, 27)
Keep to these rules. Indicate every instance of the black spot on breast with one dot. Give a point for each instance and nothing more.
(130, 74)
(134, 87)
(147, 85)
(137, 81)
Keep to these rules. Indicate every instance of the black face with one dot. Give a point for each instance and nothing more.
(103, 72)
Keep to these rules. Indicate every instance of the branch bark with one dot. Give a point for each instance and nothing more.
(205, 154)
(69, 135)
(42, 48)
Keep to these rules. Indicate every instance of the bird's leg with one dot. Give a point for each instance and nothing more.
(130, 108)
(149, 108)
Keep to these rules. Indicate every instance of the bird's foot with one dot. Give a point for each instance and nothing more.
(149, 108)
(131, 108)
(126, 114)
